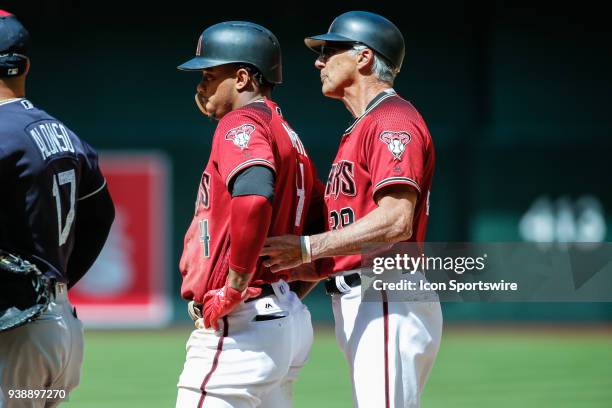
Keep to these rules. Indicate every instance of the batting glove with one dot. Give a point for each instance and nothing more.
(219, 302)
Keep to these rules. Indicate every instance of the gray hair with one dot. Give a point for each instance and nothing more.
(381, 68)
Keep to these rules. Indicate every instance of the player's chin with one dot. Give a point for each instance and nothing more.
(212, 110)
(203, 104)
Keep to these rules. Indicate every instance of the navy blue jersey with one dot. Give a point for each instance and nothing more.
(45, 170)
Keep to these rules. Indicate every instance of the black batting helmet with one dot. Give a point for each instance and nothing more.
(14, 40)
(238, 42)
(369, 29)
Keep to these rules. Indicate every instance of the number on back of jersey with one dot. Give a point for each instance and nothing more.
(64, 180)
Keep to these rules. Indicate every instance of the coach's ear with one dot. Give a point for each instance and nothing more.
(365, 59)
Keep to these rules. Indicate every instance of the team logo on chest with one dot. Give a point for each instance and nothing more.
(396, 142)
(341, 179)
(241, 135)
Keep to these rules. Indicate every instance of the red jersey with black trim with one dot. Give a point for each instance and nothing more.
(389, 144)
(253, 135)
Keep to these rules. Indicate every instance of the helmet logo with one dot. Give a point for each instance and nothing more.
(396, 142)
(241, 135)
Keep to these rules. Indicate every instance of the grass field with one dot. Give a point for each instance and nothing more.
(475, 368)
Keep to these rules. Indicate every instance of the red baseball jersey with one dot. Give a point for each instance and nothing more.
(253, 135)
(389, 144)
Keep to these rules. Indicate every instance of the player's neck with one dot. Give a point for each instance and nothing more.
(11, 88)
(245, 98)
(358, 96)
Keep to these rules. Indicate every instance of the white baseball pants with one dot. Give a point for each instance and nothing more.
(248, 363)
(390, 347)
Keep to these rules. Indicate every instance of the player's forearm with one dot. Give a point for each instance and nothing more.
(385, 224)
(250, 218)
(238, 280)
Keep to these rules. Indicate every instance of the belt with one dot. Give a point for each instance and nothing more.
(342, 284)
(266, 290)
(195, 309)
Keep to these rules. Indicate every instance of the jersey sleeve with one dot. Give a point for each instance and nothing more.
(242, 140)
(92, 180)
(395, 154)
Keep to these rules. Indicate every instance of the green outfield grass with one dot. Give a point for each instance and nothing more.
(475, 368)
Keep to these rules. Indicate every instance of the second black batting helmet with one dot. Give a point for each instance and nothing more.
(238, 42)
(369, 29)
(14, 40)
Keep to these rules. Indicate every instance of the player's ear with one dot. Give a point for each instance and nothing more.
(242, 79)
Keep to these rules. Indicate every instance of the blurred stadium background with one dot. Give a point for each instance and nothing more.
(517, 98)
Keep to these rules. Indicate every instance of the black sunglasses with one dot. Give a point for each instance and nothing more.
(327, 50)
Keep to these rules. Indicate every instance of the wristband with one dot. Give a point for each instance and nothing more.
(306, 250)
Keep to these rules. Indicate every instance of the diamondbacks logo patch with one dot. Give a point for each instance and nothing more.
(396, 142)
(241, 135)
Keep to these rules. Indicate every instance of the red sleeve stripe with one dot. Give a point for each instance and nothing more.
(248, 163)
(396, 180)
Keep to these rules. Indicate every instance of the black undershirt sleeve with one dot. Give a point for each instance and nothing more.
(254, 180)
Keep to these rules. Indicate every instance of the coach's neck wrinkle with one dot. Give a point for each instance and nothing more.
(371, 105)
(357, 98)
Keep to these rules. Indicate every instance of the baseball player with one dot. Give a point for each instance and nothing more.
(377, 191)
(252, 334)
(56, 212)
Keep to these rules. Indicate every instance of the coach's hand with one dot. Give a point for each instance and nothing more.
(283, 252)
(219, 302)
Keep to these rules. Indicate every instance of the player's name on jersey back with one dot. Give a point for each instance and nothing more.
(51, 138)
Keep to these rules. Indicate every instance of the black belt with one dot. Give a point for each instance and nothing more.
(352, 280)
(266, 290)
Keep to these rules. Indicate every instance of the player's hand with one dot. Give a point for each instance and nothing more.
(283, 252)
(219, 302)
